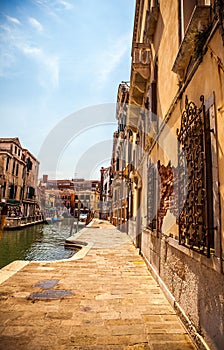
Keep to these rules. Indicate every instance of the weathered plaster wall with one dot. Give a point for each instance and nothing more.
(196, 287)
(166, 47)
(192, 283)
(195, 281)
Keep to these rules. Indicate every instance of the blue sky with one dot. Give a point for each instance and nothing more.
(57, 58)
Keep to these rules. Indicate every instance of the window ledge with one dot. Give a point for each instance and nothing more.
(213, 262)
(199, 21)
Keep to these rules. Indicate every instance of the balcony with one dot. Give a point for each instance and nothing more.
(140, 73)
(189, 47)
(141, 58)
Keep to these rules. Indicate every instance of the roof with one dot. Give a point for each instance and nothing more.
(30, 154)
(14, 140)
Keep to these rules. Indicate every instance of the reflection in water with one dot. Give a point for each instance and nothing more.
(39, 242)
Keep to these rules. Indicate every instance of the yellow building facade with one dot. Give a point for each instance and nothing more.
(174, 144)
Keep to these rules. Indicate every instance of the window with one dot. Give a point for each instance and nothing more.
(13, 167)
(4, 188)
(194, 28)
(15, 191)
(134, 159)
(30, 192)
(117, 164)
(186, 9)
(11, 191)
(15, 150)
(151, 197)
(17, 169)
(154, 88)
(7, 164)
(122, 124)
(29, 164)
(196, 214)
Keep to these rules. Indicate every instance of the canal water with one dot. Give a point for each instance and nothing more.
(38, 242)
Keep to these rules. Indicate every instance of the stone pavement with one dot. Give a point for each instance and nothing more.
(105, 299)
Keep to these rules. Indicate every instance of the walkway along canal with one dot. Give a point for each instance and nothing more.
(105, 299)
(38, 242)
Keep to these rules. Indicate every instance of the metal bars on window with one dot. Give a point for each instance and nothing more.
(151, 197)
(195, 179)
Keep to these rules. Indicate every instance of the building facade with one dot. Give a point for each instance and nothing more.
(18, 183)
(12, 170)
(68, 197)
(173, 147)
(122, 149)
(105, 193)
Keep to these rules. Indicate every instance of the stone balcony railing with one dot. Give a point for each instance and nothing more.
(141, 58)
(140, 72)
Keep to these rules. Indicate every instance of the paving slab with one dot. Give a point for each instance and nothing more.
(105, 298)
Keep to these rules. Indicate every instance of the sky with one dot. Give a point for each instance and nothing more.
(61, 62)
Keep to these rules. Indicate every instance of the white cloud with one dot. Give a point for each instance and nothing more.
(7, 60)
(14, 40)
(52, 66)
(41, 2)
(13, 20)
(66, 4)
(36, 24)
(110, 59)
(51, 7)
(48, 66)
(31, 51)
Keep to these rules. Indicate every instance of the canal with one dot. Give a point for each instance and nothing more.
(38, 242)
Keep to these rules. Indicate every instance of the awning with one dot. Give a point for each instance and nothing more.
(13, 202)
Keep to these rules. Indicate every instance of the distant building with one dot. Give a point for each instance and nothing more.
(82, 185)
(74, 184)
(12, 170)
(56, 184)
(69, 196)
(120, 189)
(18, 181)
(105, 193)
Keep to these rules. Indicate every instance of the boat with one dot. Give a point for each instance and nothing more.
(48, 220)
(79, 223)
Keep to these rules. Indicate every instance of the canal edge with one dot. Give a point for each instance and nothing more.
(11, 269)
(15, 266)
